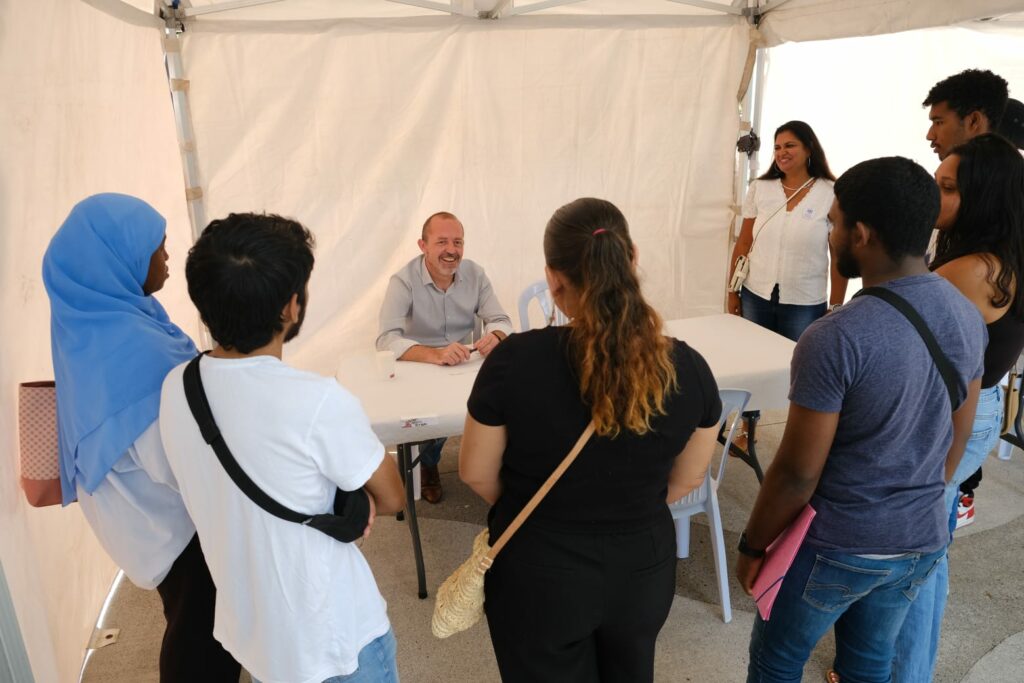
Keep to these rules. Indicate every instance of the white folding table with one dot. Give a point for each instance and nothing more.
(425, 401)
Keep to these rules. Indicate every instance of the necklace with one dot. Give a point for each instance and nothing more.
(791, 189)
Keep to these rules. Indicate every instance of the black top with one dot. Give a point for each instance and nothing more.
(1005, 342)
(615, 485)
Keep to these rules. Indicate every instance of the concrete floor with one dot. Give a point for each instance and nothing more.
(983, 637)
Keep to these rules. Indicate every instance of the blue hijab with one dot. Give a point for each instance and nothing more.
(112, 345)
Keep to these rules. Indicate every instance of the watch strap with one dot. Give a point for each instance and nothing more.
(745, 549)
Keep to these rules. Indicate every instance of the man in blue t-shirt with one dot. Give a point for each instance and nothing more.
(871, 425)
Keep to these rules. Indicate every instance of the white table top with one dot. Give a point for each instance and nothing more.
(741, 355)
(427, 401)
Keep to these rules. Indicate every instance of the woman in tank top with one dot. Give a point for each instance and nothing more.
(980, 250)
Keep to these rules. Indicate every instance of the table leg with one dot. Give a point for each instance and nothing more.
(407, 462)
(749, 456)
(400, 452)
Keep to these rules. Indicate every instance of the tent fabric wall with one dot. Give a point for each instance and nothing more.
(361, 130)
(86, 110)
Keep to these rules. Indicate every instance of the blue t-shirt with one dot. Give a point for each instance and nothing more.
(881, 489)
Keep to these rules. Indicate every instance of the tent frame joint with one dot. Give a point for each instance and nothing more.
(174, 19)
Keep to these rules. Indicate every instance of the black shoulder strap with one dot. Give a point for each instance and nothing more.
(200, 406)
(904, 307)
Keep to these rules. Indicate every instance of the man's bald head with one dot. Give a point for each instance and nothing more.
(440, 215)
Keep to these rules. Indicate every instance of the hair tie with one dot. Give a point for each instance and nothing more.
(599, 231)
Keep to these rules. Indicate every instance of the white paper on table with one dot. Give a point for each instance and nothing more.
(422, 421)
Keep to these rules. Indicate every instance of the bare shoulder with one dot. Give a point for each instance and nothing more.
(969, 270)
(974, 275)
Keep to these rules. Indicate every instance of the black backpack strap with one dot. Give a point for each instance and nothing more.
(904, 307)
(200, 406)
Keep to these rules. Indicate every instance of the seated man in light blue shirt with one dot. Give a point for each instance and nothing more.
(430, 311)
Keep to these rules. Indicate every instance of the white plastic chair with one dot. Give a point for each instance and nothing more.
(705, 499)
(539, 291)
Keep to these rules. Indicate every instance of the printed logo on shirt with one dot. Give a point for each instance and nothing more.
(808, 213)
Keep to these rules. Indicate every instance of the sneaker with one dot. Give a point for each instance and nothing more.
(964, 512)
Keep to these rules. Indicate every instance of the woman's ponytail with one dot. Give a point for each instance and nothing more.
(616, 343)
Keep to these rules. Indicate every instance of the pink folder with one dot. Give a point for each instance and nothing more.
(777, 560)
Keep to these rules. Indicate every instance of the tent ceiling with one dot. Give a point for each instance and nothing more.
(782, 20)
(390, 9)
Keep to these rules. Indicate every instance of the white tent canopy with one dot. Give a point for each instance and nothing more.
(360, 118)
(781, 20)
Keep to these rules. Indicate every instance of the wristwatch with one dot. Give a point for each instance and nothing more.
(833, 307)
(747, 550)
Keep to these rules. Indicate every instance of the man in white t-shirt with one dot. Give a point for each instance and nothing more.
(293, 604)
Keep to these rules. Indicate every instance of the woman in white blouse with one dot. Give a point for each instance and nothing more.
(785, 237)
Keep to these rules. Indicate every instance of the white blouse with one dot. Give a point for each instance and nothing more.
(137, 513)
(791, 249)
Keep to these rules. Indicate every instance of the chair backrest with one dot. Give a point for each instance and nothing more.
(734, 401)
(539, 291)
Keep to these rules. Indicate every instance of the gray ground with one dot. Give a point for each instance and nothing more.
(983, 636)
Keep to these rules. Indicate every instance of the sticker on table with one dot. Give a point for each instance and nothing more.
(414, 422)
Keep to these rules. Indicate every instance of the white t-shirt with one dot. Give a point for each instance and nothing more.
(293, 604)
(137, 513)
(791, 248)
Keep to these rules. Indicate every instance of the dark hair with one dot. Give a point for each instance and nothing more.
(616, 346)
(990, 220)
(439, 214)
(896, 198)
(969, 91)
(818, 166)
(241, 273)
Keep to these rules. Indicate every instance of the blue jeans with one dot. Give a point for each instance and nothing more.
(789, 320)
(865, 599)
(376, 663)
(918, 644)
(430, 452)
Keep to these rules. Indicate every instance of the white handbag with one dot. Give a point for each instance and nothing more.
(739, 273)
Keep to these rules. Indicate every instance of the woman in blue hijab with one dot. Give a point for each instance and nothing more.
(112, 345)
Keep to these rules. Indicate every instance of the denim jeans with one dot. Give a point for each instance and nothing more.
(430, 452)
(789, 320)
(918, 644)
(376, 663)
(865, 599)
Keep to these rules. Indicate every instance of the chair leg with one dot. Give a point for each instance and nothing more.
(721, 561)
(682, 537)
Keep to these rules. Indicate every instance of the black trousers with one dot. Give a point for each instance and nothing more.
(580, 607)
(189, 652)
(970, 483)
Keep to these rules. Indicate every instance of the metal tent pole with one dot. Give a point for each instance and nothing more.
(179, 86)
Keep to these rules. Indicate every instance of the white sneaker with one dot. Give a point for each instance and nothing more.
(964, 511)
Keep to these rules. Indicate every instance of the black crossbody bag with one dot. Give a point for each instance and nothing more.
(904, 307)
(351, 508)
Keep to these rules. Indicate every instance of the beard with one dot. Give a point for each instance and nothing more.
(847, 265)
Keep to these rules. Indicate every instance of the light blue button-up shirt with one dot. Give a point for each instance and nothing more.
(415, 311)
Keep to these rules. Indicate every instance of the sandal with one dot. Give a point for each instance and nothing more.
(740, 440)
(831, 676)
